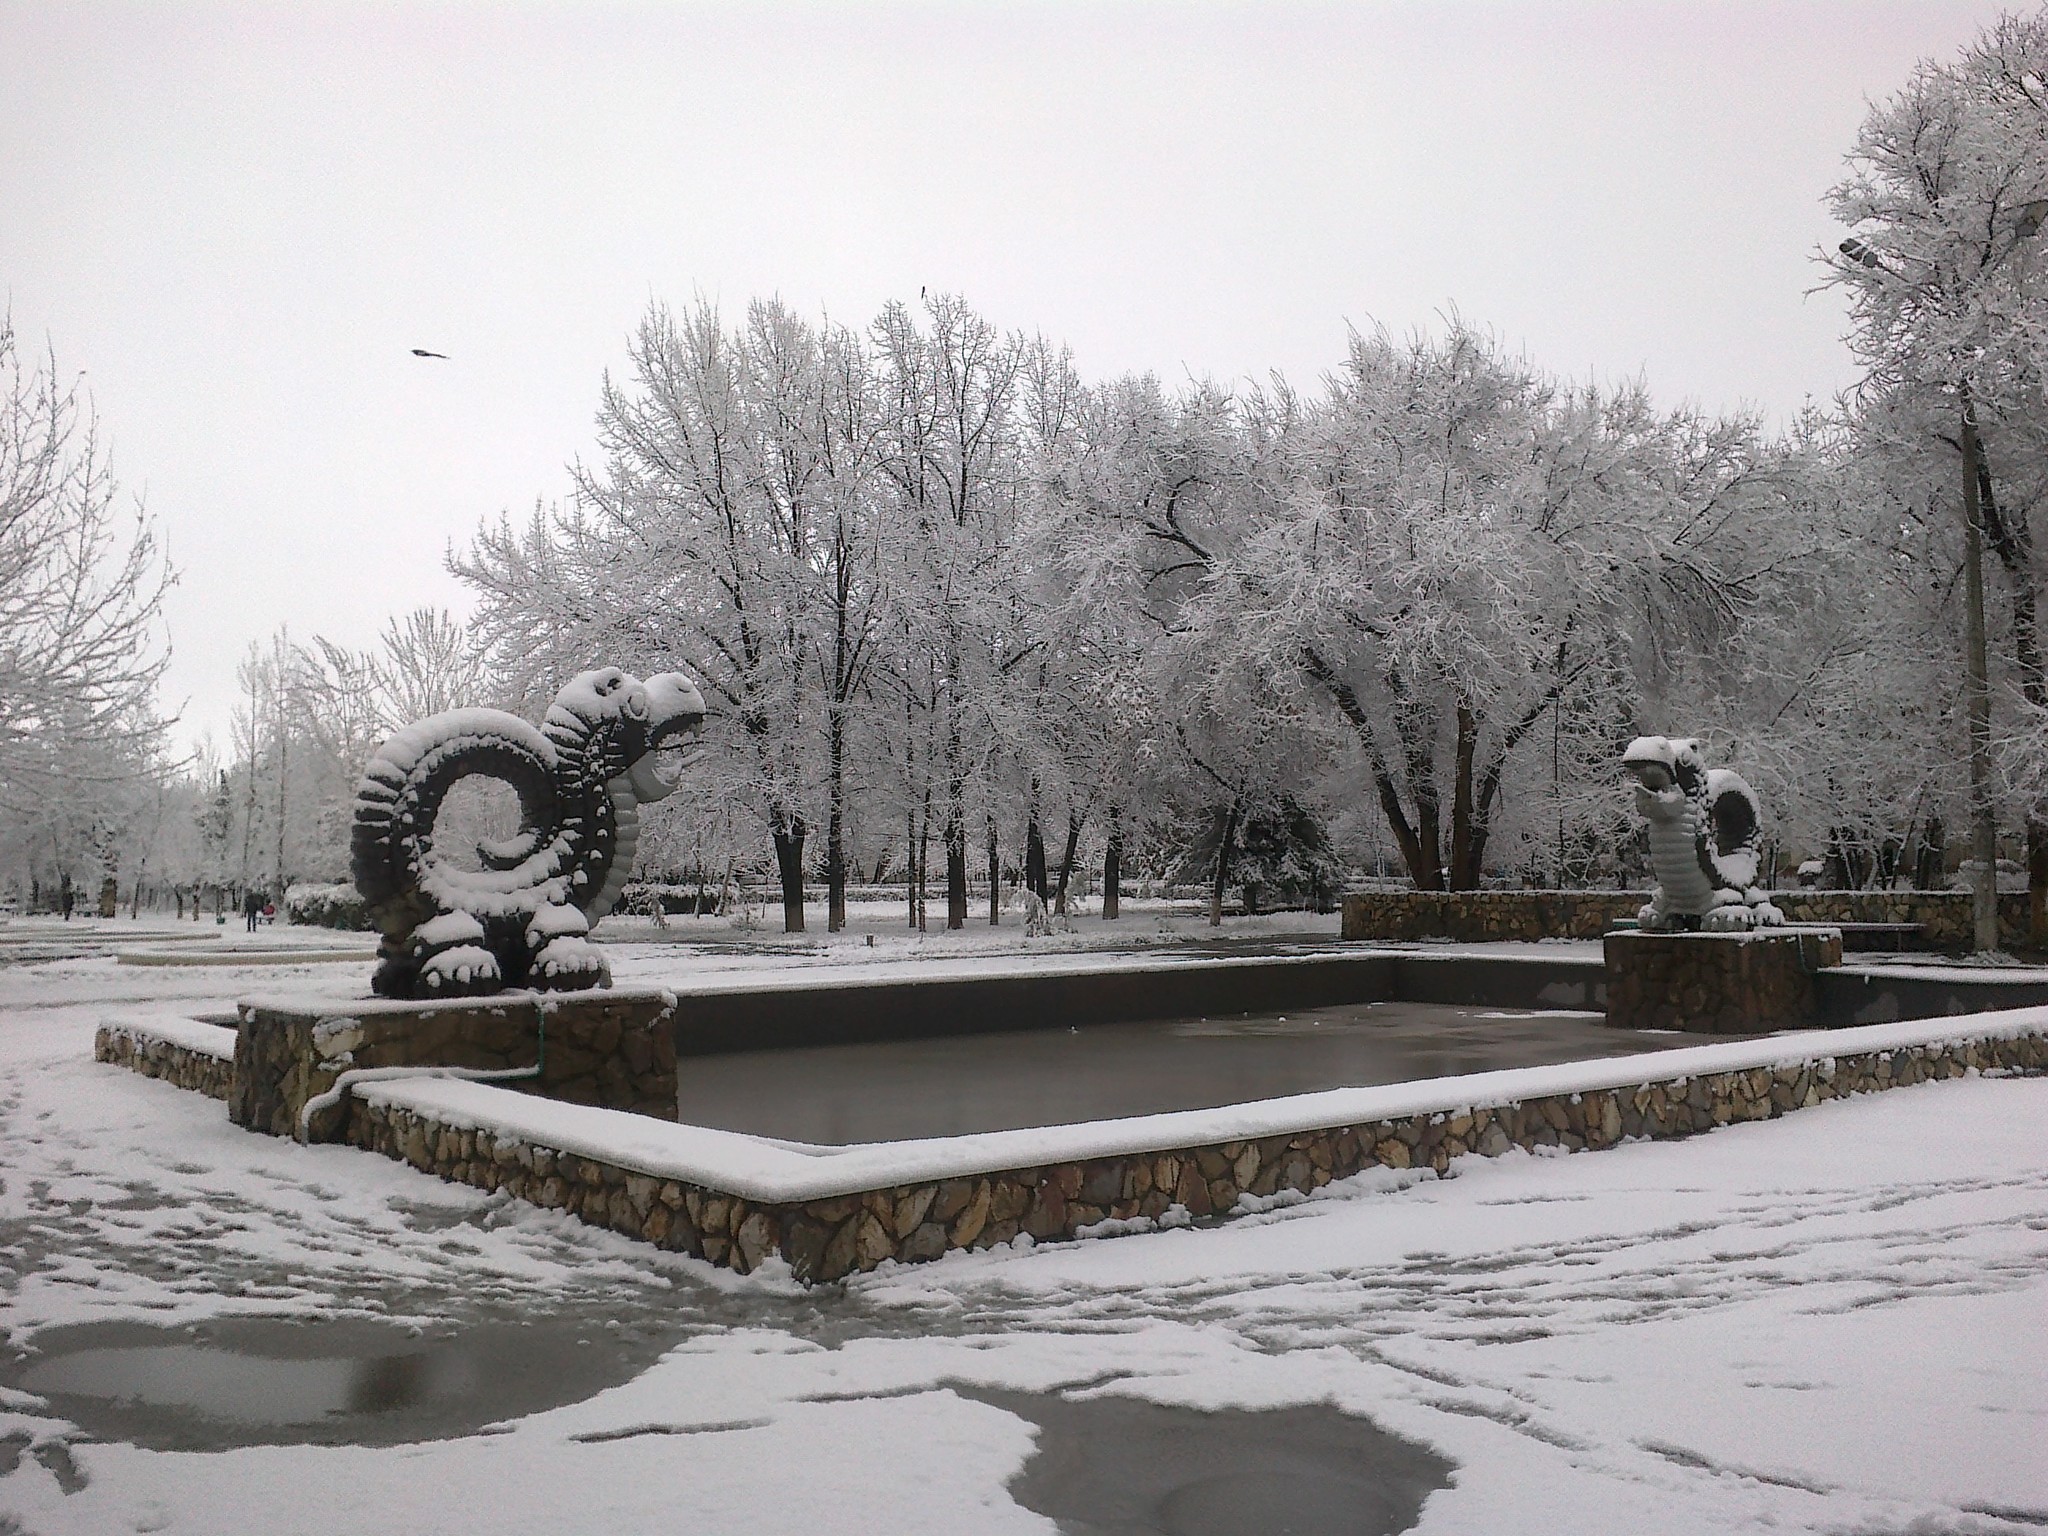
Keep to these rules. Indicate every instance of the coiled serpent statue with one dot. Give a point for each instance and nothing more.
(609, 744)
(1706, 840)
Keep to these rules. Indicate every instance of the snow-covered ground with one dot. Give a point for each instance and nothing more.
(1835, 1322)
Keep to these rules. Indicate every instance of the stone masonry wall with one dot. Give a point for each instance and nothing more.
(1948, 918)
(828, 1239)
(1477, 917)
(1473, 917)
(177, 1065)
(1718, 983)
(614, 1050)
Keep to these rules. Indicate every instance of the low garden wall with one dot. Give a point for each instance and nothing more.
(198, 1054)
(650, 1182)
(1947, 918)
(737, 1200)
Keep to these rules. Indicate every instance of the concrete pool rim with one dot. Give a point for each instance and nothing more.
(736, 1199)
(772, 1170)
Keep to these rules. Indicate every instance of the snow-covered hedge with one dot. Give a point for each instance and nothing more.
(326, 906)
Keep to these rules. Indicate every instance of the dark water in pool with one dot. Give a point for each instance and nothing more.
(952, 1086)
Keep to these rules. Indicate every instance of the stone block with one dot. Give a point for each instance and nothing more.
(1718, 983)
(288, 1054)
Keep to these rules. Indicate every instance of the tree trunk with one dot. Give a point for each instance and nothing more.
(2037, 882)
(956, 872)
(2013, 543)
(995, 878)
(1478, 792)
(956, 827)
(1034, 851)
(1059, 899)
(835, 829)
(789, 865)
(283, 765)
(1416, 723)
(835, 873)
(1464, 855)
(1422, 864)
(1977, 694)
(924, 861)
(1428, 830)
(1113, 865)
(910, 863)
(1225, 847)
(1930, 862)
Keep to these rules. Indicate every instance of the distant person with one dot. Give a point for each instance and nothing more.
(252, 907)
(67, 899)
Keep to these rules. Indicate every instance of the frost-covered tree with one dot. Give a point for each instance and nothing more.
(1130, 494)
(278, 810)
(1946, 200)
(1413, 568)
(1445, 550)
(427, 663)
(942, 591)
(948, 392)
(734, 528)
(82, 585)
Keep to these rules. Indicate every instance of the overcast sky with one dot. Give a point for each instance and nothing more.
(238, 220)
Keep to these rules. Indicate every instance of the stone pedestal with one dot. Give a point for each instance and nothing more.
(612, 1049)
(1718, 983)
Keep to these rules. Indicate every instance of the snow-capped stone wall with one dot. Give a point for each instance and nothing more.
(1945, 918)
(736, 1200)
(614, 1049)
(829, 1237)
(187, 1053)
(1479, 917)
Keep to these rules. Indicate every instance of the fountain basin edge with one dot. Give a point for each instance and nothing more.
(738, 1200)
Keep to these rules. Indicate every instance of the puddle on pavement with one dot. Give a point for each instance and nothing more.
(266, 1381)
(1119, 1466)
(1102, 1466)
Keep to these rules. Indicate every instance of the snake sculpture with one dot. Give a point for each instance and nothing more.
(1705, 840)
(608, 745)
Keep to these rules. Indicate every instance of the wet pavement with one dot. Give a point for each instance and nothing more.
(1101, 1465)
(1120, 1466)
(327, 1381)
(884, 1091)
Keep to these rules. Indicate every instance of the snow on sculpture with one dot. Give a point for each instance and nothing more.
(609, 744)
(1705, 826)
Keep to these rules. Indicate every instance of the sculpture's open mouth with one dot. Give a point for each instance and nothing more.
(660, 773)
(1653, 760)
(675, 724)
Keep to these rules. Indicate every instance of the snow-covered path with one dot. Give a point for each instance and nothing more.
(1833, 1322)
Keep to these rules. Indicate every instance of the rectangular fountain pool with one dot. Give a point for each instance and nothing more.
(893, 1090)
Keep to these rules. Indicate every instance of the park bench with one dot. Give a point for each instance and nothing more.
(1868, 938)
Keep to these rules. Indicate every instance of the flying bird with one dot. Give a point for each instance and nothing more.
(423, 352)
